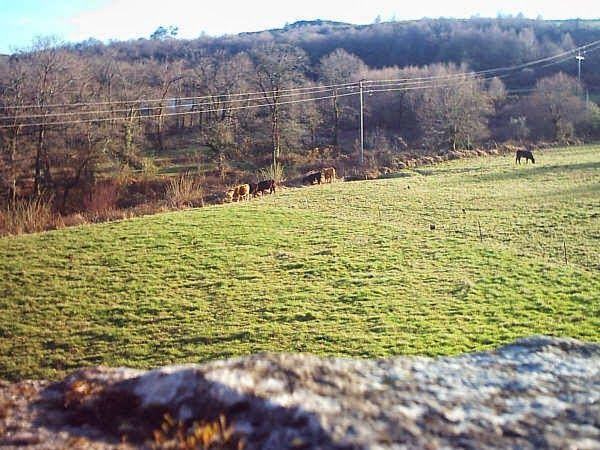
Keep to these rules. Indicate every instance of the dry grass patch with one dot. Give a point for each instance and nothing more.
(27, 216)
(184, 191)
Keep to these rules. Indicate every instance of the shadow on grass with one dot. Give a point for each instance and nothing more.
(573, 192)
(532, 171)
(401, 174)
(212, 340)
(448, 170)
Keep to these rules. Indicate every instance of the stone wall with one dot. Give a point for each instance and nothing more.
(539, 392)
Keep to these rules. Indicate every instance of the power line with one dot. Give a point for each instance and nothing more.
(395, 85)
(221, 103)
(447, 85)
(405, 86)
(594, 45)
(183, 113)
(171, 106)
(369, 90)
(408, 82)
(587, 47)
(212, 97)
(120, 102)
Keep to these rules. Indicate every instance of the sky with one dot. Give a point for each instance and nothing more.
(21, 21)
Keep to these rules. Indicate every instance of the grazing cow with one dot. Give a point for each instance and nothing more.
(266, 185)
(239, 192)
(230, 194)
(312, 177)
(243, 192)
(524, 154)
(329, 174)
(253, 189)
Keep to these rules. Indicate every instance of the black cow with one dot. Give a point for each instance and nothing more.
(524, 154)
(312, 177)
(266, 185)
(253, 189)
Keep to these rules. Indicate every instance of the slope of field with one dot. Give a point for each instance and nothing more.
(345, 269)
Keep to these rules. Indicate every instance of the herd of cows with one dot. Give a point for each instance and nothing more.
(326, 175)
(252, 190)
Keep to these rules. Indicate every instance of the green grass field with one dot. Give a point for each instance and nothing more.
(344, 269)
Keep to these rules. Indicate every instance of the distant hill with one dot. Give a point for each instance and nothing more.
(481, 43)
(316, 23)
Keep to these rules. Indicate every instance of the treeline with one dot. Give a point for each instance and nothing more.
(481, 43)
(73, 116)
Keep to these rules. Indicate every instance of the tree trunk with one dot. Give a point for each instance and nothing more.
(275, 131)
(73, 183)
(336, 118)
(47, 173)
(159, 131)
(13, 168)
(37, 184)
(221, 165)
(556, 126)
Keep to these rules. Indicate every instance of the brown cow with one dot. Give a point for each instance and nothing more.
(230, 194)
(239, 192)
(243, 192)
(329, 174)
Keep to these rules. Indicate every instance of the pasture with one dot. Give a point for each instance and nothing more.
(352, 269)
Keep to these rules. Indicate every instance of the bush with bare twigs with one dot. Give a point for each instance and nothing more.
(273, 172)
(103, 197)
(184, 191)
(27, 216)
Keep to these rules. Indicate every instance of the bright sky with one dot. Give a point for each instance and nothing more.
(76, 20)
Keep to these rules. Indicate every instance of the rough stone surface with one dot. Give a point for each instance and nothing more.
(539, 392)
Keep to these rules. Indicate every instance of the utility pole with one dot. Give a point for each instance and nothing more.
(579, 59)
(362, 127)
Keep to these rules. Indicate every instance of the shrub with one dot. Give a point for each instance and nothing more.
(71, 220)
(272, 172)
(184, 191)
(27, 216)
(149, 168)
(102, 197)
(142, 191)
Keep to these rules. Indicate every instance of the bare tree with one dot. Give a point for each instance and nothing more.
(452, 113)
(339, 67)
(164, 77)
(50, 77)
(496, 90)
(220, 77)
(555, 107)
(12, 99)
(277, 67)
(84, 150)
